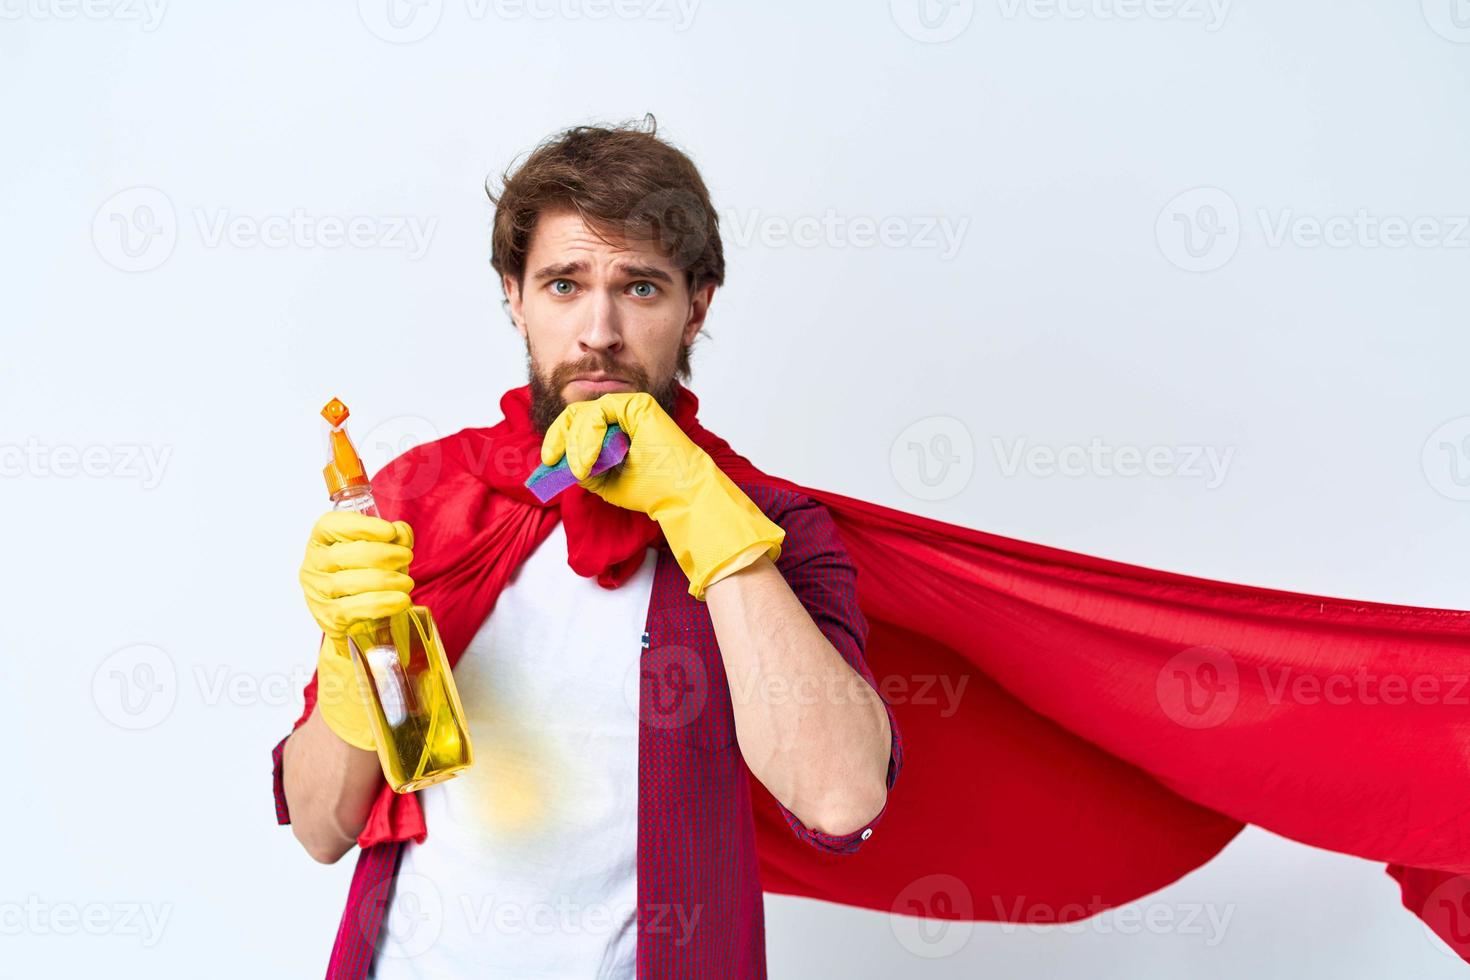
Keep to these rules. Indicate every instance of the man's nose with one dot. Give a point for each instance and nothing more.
(602, 330)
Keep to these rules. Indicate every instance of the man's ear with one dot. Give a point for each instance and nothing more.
(513, 299)
(698, 310)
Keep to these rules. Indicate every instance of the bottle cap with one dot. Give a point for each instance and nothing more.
(344, 467)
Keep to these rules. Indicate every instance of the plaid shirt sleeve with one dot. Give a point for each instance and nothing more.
(821, 574)
(283, 815)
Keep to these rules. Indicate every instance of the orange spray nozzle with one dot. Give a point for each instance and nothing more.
(344, 467)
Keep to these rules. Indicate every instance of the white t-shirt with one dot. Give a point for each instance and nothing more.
(529, 869)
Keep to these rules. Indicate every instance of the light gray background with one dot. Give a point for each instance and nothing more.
(1068, 149)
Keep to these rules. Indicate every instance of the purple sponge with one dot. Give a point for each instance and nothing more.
(548, 481)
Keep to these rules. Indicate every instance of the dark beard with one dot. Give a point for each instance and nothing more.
(547, 403)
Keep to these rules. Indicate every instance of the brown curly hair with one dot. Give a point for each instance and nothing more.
(622, 179)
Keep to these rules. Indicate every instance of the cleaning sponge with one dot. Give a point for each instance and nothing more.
(548, 481)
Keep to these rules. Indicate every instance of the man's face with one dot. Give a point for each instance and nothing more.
(591, 309)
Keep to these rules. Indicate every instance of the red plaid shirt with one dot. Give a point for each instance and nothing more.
(699, 894)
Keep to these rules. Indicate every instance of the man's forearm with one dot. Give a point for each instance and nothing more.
(811, 729)
(330, 787)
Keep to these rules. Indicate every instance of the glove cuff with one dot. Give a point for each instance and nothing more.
(339, 695)
(717, 531)
(729, 567)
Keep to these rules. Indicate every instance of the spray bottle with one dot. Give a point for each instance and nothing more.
(414, 707)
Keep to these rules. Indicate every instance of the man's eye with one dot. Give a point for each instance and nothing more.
(648, 289)
(561, 282)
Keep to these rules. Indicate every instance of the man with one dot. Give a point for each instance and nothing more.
(605, 827)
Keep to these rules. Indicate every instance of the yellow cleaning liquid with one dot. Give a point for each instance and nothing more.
(417, 719)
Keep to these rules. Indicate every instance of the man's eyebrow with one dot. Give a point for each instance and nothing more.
(633, 271)
(628, 269)
(560, 269)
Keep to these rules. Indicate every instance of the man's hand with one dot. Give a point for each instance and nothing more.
(712, 527)
(355, 570)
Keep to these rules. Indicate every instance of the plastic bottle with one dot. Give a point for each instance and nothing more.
(416, 715)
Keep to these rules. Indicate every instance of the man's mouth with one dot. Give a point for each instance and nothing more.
(601, 383)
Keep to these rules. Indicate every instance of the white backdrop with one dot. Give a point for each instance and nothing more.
(993, 229)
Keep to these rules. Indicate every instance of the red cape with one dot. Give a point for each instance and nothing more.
(1121, 725)
(1078, 732)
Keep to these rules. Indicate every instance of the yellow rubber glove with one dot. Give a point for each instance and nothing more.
(355, 570)
(340, 697)
(713, 528)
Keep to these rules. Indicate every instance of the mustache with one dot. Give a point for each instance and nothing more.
(546, 400)
(632, 374)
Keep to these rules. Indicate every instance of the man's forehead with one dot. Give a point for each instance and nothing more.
(563, 245)
(565, 232)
